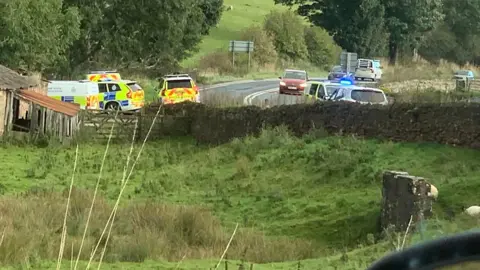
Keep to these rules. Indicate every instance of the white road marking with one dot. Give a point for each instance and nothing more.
(249, 98)
(235, 82)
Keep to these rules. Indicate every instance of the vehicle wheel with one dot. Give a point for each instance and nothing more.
(112, 106)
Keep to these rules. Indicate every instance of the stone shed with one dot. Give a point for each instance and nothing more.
(40, 114)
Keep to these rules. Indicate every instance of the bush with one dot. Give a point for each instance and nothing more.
(322, 50)
(264, 52)
(284, 26)
(219, 61)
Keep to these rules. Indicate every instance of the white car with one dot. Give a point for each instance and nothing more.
(322, 89)
(368, 69)
(363, 95)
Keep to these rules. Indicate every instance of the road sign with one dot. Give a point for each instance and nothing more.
(240, 46)
(348, 61)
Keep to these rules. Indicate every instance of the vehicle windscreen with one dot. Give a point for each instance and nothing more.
(179, 84)
(337, 69)
(364, 64)
(365, 95)
(463, 73)
(295, 75)
(134, 87)
(331, 88)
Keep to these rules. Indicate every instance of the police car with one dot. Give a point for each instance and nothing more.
(320, 89)
(176, 88)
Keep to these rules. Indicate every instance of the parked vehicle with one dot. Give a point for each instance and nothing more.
(293, 82)
(321, 90)
(115, 93)
(83, 92)
(368, 69)
(176, 88)
(337, 72)
(363, 95)
(103, 75)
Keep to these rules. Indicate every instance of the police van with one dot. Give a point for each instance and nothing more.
(83, 92)
(116, 93)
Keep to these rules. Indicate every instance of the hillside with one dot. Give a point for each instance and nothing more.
(322, 194)
(244, 14)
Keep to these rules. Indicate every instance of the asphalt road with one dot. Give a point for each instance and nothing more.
(235, 91)
(253, 92)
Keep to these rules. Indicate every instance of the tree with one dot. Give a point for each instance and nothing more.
(264, 51)
(84, 51)
(456, 38)
(36, 34)
(356, 25)
(140, 34)
(212, 10)
(286, 29)
(364, 25)
(322, 50)
(408, 21)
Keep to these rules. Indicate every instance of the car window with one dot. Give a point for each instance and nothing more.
(365, 63)
(313, 89)
(337, 69)
(113, 87)
(187, 83)
(102, 87)
(321, 92)
(331, 89)
(134, 87)
(299, 75)
(339, 94)
(161, 83)
(367, 95)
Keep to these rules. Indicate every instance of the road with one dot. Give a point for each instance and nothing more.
(252, 92)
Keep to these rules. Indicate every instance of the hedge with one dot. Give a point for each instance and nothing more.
(448, 123)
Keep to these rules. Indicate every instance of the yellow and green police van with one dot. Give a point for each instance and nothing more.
(116, 93)
(124, 95)
(84, 93)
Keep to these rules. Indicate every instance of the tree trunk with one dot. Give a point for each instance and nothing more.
(404, 197)
(392, 52)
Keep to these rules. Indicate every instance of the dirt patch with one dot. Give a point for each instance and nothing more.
(420, 85)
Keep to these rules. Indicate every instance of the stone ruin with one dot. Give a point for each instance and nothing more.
(403, 197)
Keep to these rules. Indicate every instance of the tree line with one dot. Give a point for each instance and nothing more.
(282, 40)
(437, 29)
(65, 37)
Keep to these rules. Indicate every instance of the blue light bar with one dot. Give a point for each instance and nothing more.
(346, 81)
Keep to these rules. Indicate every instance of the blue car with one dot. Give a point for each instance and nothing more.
(338, 72)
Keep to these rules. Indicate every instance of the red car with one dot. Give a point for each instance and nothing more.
(293, 82)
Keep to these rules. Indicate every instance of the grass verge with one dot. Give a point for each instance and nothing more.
(294, 198)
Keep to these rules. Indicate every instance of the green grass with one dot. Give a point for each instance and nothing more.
(244, 14)
(323, 190)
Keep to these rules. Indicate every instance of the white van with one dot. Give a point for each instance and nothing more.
(368, 69)
(84, 92)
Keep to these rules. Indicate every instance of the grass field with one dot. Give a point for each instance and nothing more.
(314, 197)
(244, 14)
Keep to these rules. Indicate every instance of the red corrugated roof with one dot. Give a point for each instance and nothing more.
(66, 108)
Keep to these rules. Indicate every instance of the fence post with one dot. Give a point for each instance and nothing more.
(251, 266)
(226, 265)
(299, 266)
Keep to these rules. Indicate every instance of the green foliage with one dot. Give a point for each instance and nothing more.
(284, 27)
(457, 37)
(322, 50)
(66, 37)
(408, 21)
(364, 26)
(264, 52)
(36, 34)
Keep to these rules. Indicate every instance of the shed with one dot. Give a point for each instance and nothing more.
(45, 115)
